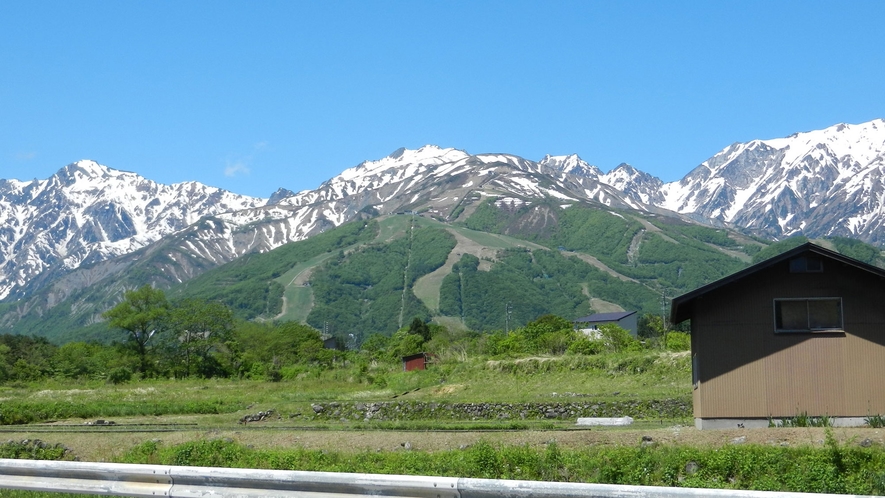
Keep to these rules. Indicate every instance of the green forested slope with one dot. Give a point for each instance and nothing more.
(247, 285)
(668, 255)
(370, 290)
(533, 283)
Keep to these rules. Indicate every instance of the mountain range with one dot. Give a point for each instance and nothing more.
(88, 222)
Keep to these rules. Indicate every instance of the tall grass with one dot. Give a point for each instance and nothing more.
(831, 469)
(875, 421)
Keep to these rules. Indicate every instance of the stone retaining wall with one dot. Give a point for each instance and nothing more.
(420, 410)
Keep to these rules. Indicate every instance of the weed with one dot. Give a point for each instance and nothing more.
(34, 450)
(801, 420)
(875, 421)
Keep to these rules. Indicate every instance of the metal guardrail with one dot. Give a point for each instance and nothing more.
(190, 482)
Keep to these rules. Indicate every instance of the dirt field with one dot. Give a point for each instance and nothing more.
(105, 446)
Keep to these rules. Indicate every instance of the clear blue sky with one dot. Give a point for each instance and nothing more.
(252, 96)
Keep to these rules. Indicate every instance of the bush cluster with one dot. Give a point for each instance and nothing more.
(555, 335)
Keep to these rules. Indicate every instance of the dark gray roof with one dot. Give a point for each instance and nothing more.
(604, 317)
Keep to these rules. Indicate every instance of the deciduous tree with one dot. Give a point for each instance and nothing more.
(141, 315)
(197, 327)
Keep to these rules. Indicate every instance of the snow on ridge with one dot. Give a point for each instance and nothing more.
(558, 194)
(498, 158)
(430, 155)
(792, 176)
(839, 139)
(620, 175)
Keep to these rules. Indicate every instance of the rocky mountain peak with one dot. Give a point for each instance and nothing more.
(828, 182)
(83, 170)
(87, 212)
(279, 195)
(572, 164)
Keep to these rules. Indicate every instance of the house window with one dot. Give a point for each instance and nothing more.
(808, 315)
(806, 264)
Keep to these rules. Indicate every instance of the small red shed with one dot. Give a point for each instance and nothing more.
(417, 361)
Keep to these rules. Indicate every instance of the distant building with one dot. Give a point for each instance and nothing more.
(416, 361)
(329, 341)
(800, 333)
(589, 325)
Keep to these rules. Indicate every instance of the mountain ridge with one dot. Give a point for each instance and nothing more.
(86, 216)
(86, 213)
(826, 182)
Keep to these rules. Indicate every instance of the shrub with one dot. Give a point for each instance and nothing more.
(618, 339)
(274, 375)
(584, 345)
(119, 375)
(501, 344)
(402, 343)
(678, 341)
(556, 342)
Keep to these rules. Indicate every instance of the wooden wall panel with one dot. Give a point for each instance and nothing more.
(805, 375)
(729, 344)
(864, 367)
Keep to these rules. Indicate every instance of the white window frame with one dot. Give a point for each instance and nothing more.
(809, 329)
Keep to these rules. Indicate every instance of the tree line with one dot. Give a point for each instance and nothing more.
(199, 338)
(158, 338)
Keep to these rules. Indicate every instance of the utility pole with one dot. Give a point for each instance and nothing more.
(663, 311)
(508, 310)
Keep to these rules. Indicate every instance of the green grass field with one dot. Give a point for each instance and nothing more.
(640, 376)
(299, 438)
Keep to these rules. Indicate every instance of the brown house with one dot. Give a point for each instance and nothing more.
(800, 333)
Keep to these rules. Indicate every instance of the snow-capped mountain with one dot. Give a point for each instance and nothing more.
(636, 184)
(87, 213)
(432, 179)
(828, 182)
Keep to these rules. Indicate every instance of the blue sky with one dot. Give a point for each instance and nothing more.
(252, 96)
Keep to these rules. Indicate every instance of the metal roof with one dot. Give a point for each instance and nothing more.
(680, 309)
(604, 317)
